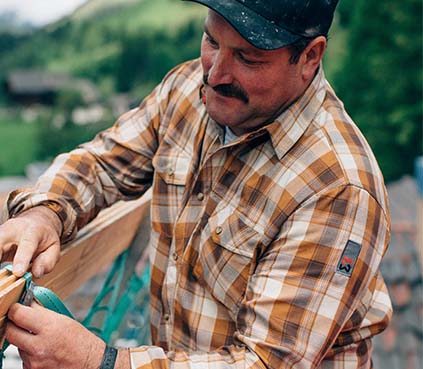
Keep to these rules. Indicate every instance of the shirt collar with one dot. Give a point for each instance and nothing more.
(288, 127)
(291, 124)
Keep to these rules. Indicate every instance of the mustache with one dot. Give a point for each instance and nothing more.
(228, 90)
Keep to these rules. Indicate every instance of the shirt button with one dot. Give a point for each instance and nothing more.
(175, 256)
(218, 230)
(171, 172)
(200, 196)
(166, 317)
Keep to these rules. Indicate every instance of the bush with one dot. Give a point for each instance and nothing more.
(380, 81)
(146, 58)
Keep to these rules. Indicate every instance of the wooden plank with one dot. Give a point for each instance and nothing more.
(3, 273)
(95, 247)
(7, 281)
(10, 295)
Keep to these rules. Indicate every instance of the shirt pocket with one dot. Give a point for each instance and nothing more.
(171, 175)
(173, 170)
(225, 258)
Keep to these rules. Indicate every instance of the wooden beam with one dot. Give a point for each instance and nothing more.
(95, 247)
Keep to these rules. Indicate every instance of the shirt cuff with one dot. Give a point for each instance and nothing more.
(19, 201)
(147, 357)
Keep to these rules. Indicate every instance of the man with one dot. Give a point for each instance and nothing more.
(269, 215)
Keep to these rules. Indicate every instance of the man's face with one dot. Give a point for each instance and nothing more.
(245, 86)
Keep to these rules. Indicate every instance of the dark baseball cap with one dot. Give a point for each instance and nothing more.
(272, 24)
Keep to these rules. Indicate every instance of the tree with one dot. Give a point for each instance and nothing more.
(381, 79)
(147, 56)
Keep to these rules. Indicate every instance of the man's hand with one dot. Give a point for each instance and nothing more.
(47, 340)
(31, 236)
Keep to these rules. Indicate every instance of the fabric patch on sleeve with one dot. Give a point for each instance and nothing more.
(349, 258)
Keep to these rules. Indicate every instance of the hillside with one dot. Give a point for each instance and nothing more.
(92, 8)
(90, 42)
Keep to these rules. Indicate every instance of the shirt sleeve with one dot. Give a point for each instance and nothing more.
(115, 165)
(300, 307)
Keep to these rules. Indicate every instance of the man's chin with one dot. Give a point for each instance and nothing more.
(221, 116)
(225, 109)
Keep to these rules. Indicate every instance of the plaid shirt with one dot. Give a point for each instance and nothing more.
(265, 250)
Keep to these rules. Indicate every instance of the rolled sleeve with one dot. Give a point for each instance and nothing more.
(115, 165)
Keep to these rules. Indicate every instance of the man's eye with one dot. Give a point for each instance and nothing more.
(247, 61)
(211, 41)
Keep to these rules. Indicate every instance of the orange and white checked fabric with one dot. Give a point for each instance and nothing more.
(252, 263)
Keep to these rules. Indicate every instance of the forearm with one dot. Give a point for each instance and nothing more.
(68, 189)
(91, 178)
(48, 215)
(117, 164)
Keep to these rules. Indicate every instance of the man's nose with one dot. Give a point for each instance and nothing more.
(220, 71)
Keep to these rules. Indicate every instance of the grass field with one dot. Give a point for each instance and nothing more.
(17, 146)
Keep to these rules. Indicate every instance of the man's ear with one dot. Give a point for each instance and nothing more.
(312, 56)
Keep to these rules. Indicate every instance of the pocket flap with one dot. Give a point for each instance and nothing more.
(173, 170)
(229, 231)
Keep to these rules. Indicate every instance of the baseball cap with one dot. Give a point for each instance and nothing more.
(272, 24)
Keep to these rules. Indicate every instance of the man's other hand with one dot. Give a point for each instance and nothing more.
(31, 236)
(49, 340)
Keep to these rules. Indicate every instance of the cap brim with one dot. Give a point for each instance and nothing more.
(256, 29)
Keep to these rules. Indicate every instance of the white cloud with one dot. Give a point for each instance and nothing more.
(40, 11)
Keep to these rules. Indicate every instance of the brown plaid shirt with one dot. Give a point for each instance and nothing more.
(253, 261)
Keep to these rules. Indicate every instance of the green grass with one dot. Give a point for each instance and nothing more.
(17, 146)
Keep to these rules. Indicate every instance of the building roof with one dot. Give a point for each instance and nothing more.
(35, 81)
(38, 82)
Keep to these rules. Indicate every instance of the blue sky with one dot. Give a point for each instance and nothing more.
(40, 11)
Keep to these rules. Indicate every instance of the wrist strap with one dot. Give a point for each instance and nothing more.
(109, 358)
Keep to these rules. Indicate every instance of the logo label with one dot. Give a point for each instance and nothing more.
(348, 258)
